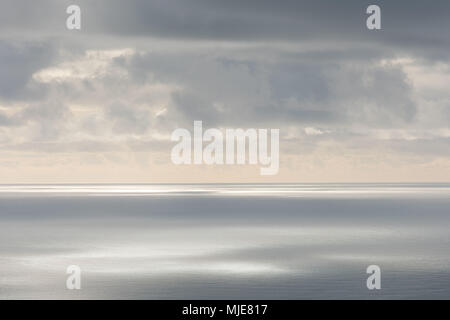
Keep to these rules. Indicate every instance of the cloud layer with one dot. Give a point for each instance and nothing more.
(99, 104)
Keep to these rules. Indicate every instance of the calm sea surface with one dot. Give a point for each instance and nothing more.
(222, 241)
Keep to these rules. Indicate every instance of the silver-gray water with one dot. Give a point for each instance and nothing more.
(290, 241)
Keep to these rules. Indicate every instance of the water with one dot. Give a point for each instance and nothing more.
(222, 241)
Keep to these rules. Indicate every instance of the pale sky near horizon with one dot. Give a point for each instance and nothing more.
(99, 104)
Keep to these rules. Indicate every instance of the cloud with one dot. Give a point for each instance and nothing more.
(222, 88)
(139, 69)
(128, 119)
(18, 62)
(413, 27)
(5, 120)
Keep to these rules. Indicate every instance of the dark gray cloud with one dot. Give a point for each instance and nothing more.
(249, 63)
(412, 26)
(18, 62)
(231, 91)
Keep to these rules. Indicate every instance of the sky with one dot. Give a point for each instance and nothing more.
(98, 105)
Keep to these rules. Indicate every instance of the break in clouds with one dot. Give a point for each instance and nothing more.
(351, 103)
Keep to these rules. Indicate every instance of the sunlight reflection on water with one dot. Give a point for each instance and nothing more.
(219, 241)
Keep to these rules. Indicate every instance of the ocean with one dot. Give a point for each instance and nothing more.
(225, 241)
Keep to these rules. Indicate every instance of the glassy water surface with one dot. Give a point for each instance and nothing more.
(224, 241)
